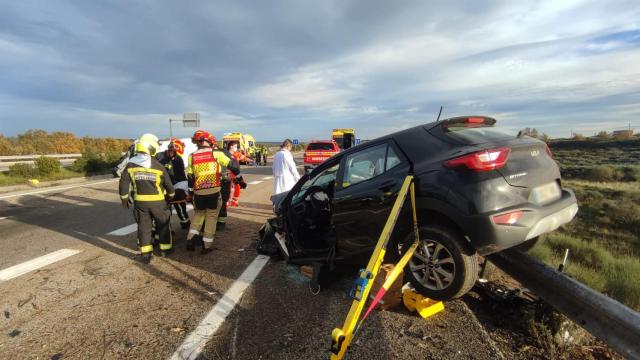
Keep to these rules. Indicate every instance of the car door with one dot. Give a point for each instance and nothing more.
(368, 185)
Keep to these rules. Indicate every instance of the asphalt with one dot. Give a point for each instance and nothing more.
(103, 303)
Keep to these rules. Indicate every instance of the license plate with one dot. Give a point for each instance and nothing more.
(317, 159)
(545, 193)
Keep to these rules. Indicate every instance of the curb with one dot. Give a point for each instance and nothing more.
(46, 184)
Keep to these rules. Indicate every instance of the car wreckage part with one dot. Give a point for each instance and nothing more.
(341, 337)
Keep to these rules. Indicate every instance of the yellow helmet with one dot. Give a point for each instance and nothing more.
(148, 144)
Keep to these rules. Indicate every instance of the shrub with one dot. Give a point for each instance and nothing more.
(47, 165)
(96, 163)
(26, 171)
(603, 173)
(603, 135)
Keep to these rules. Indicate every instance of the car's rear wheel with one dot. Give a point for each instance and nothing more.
(444, 266)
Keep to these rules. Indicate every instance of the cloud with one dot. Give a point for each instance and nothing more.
(288, 69)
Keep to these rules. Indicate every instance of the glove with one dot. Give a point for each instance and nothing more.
(240, 181)
(125, 203)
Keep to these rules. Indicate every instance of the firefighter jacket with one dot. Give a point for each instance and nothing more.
(175, 167)
(226, 174)
(149, 179)
(204, 171)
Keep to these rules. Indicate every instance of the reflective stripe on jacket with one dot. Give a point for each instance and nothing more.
(148, 183)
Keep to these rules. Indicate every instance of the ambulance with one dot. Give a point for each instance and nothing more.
(246, 145)
(345, 138)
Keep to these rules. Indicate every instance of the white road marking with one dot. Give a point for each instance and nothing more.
(35, 264)
(195, 342)
(110, 243)
(267, 178)
(255, 182)
(124, 231)
(4, 217)
(57, 189)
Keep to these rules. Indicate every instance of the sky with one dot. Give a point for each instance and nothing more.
(297, 69)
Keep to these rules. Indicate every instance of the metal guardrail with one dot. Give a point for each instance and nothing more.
(17, 158)
(603, 317)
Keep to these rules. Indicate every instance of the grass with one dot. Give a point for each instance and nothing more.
(604, 239)
(7, 179)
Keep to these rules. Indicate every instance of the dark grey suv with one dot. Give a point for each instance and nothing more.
(479, 189)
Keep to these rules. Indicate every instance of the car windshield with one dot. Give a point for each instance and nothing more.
(320, 146)
(323, 180)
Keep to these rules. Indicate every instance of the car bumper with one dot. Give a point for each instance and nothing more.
(488, 237)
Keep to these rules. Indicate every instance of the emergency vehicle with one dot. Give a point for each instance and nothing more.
(246, 145)
(345, 138)
(317, 152)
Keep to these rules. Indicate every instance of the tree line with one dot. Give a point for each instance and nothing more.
(40, 142)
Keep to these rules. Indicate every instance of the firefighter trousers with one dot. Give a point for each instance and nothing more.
(206, 209)
(148, 213)
(225, 192)
(181, 210)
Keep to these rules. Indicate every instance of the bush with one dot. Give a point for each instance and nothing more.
(47, 166)
(603, 173)
(96, 163)
(26, 171)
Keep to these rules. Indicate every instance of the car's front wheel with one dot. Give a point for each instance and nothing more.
(443, 267)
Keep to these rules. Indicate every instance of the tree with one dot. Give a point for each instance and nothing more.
(65, 143)
(603, 135)
(578, 136)
(533, 132)
(546, 138)
(6, 146)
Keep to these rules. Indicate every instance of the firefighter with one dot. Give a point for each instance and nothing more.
(152, 189)
(172, 161)
(204, 174)
(225, 191)
(237, 182)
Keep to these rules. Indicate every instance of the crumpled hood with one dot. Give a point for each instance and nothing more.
(276, 200)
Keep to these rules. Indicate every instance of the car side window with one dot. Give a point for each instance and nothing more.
(392, 159)
(364, 165)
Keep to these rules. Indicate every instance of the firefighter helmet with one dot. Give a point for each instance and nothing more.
(148, 144)
(177, 145)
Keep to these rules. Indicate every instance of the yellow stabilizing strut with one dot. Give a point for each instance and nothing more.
(341, 337)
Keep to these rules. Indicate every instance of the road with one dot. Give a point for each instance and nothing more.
(98, 301)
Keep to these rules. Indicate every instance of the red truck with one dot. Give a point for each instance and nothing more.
(317, 152)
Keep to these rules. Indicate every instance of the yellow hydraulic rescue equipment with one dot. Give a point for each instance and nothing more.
(341, 337)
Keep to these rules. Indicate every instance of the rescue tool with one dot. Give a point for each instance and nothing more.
(341, 337)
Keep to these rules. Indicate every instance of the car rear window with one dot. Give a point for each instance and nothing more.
(476, 134)
(320, 146)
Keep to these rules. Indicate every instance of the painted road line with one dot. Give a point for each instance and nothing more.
(267, 178)
(255, 182)
(35, 264)
(57, 189)
(4, 217)
(198, 338)
(124, 231)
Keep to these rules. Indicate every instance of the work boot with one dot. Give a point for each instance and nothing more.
(145, 258)
(166, 253)
(190, 246)
(186, 224)
(220, 226)
(205, 251)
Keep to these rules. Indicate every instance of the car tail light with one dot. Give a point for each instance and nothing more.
(547, 149)
(509, 218)
(482, 160)
(475, 120)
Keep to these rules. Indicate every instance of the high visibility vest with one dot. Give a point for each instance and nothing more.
(205, 168)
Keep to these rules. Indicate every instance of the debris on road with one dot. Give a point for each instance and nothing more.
(15, 333)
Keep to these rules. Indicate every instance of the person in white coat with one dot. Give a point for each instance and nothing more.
(284, 169)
